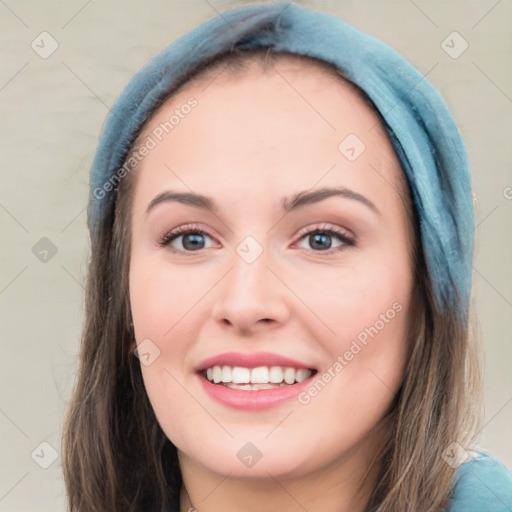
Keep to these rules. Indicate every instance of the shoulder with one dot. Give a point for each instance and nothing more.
(482, 484)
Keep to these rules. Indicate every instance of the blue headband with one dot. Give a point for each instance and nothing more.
(421, 127)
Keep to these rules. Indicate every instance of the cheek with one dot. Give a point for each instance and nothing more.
(160, 303)
(367, 310)
(356, 390)
(375, 354)
(349, 300)
(161, 296)
(166, 310)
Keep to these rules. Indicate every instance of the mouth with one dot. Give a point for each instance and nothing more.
(253, 381)
(256, 379)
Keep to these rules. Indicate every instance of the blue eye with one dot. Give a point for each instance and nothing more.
(191, 239)
(321, 240)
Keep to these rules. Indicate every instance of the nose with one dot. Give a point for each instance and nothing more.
(251, 297)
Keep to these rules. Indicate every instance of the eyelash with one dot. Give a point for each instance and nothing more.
(342, 235)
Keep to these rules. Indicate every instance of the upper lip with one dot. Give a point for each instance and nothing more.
(250, 361)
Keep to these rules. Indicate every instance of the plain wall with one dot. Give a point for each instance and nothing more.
(52, 110)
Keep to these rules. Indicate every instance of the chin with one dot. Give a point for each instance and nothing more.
(255, 460)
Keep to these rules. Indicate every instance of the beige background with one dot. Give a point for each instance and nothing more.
(52, 110)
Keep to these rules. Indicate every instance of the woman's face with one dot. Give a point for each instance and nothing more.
(285, 245)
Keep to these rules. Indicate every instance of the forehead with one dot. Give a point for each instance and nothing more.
(269, 122)
(260, 73)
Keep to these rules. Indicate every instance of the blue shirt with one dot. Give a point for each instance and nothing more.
(482, 484)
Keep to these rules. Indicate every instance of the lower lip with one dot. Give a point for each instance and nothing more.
(253, 400)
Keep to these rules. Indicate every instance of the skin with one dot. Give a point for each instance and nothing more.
(251, 141)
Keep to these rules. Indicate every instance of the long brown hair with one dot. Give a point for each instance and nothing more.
(117, 458)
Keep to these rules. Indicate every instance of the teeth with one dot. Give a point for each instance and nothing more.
(240, 375)
(262, 377)
(259, 375)
(226, 374)
(276, 374)
(302, 374)
(253, 387)
(289, 375)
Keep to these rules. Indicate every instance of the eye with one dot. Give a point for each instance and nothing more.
(320, 239)
(185, 239)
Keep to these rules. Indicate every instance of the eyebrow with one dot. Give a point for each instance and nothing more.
(297, 201)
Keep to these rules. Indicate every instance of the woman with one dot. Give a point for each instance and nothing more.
(278, 295)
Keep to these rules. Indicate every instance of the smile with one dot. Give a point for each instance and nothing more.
(253, 379)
